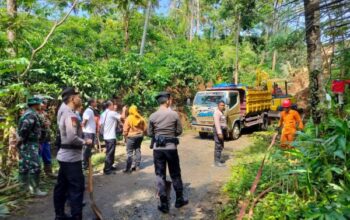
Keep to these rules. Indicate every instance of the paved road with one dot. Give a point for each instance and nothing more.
(133, 196)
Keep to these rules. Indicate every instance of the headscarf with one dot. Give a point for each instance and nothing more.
(134, 116)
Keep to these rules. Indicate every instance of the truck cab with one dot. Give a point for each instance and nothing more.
(204, 105)
(244, 108)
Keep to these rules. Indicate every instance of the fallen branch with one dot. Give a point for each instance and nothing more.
(256, 181)
(9, 187)
(257, 199)
(56, 25)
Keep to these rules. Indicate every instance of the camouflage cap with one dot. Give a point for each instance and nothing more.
(34, 101)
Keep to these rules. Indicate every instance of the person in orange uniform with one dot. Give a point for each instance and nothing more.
(289, 121)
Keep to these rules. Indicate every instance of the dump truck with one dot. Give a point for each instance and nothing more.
(245, 107)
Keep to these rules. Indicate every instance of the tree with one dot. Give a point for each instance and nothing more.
(11, 32)
(147, 15)
(314, 57)
(127, 7)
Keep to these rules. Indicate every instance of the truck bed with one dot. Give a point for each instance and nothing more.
(257, 101)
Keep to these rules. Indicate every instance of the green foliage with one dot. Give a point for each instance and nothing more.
(280, 206)
(311, 181)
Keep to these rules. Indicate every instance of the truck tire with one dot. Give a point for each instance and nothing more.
(203, 135)
(236, 131)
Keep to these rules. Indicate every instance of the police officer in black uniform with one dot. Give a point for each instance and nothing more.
(70, 182)
(164, 128)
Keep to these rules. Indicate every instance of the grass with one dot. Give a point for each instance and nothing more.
(98, 160)
(244, 170)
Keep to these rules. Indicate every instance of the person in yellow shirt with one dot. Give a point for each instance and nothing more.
(289, 121)
(135, 128)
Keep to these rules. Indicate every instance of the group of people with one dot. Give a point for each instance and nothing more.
(76, 138)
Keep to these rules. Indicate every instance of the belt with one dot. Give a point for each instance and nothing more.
(69, 146)
(162, 141)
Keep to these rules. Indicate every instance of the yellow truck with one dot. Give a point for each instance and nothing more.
(245, 107)
(279, 90)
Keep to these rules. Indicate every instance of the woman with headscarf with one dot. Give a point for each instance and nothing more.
(134, 129)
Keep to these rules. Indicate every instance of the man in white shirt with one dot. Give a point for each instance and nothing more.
(89, 130)
(109, 122)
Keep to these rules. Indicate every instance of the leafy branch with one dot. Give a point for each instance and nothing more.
(54, 27)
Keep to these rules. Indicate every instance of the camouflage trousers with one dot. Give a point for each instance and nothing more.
(29, 161)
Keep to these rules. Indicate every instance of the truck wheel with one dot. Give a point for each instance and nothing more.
(203, 135)
(236, 132)
(264, 126)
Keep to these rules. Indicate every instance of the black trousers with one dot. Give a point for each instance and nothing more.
(70, 185)
(219, 146)
(162, 158)
(87, 149)
(110, 151)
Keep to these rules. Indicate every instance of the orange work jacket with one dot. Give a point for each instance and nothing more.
(289, 121)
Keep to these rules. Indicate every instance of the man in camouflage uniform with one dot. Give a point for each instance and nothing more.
(29, 131)
(45, 146)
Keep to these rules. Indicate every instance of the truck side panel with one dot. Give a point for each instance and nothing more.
(257, 101)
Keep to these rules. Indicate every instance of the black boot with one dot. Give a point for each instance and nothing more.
(77, 217)
(218, 161)
(180, 201)
(62, 216)
(164, 205)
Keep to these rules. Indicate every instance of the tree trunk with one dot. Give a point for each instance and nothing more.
(274, 30)
(11, 32)
(314, 57)
(238, 29)
(274, 60)
(126, 30)
(147, 15)
(198, 13)
(191, 19)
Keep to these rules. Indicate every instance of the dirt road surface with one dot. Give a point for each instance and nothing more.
(133, 196)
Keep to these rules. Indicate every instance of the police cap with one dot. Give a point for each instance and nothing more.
(69, 91)
(163, 95)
